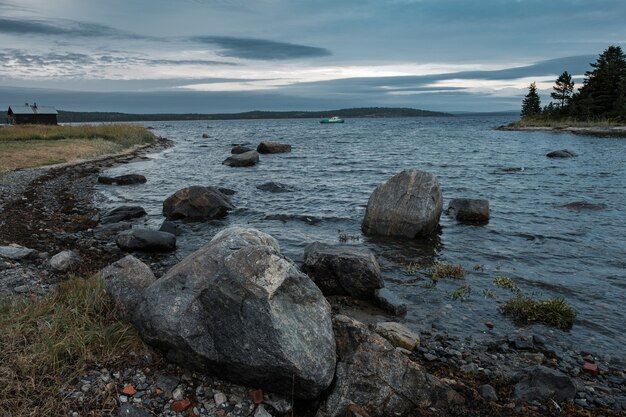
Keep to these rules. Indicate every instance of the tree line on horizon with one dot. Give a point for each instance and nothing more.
(602, 95)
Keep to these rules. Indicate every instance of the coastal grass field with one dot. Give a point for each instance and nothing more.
(30, 146)
(564, 123)
(48, 342)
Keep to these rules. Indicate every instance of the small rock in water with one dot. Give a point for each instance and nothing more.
(390, 302)
(564, 153)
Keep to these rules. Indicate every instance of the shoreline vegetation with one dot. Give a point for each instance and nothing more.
(364, 112)
(598, 107)
(30, 146)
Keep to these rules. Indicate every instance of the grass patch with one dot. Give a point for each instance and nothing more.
(461, 293)
(48, 342)
(25, 146)
(488, 293)
(506, 282)
(554, 311)
(561, 123)
(345, 237)
(442, 270)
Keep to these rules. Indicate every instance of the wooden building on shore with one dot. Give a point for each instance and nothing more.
(32, 114)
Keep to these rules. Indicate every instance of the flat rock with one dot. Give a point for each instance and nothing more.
(16, 253)
(584, 205)
(469, 210)
(146, 240)
(564, 153)
(123, 213)
(398, 335)
(343, 270)
(539, 383)
(128, 179)
(488, 392)
(238, 309)
(390, 302)
(273, 147)
(246, 159)
(65, 261)
(408, 205)
(128, 410)
(197, 202)
(107, 231)
(275, 187)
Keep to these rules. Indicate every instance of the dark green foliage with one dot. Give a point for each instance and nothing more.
(531, 106)
(563, 90)
(602, 94)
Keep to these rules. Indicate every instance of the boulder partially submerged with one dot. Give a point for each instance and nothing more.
(343, 270)
(469, 210)
(563, 153)
(238, 309)
(273, 147)
(123, 213)
(197, 202)
(245, 159)
(408, 205)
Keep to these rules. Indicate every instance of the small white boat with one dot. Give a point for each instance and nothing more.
(333, 119)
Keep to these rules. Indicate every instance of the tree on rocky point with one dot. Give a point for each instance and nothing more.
(563, 89)
(531, 106)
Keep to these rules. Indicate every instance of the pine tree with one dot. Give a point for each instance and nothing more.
(531, 106)
(602, 88)
(563, 89)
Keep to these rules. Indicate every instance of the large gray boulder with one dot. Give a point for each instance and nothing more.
(469, 210)
(372, 374)
(343, 270)
(238, 309)
(197, 202)
(246, 159)
(408, 205)
(125, 281)
(273, 147)
(539, 383)
(145, 240)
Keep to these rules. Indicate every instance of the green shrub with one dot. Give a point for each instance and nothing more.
(554, 311)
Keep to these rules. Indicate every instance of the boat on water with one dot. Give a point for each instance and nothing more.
(333, 119)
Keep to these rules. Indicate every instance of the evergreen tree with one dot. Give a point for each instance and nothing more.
(531, 106)
(602, 94)
(563, 89)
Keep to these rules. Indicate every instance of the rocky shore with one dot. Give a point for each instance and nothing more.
(357, 368)
(597, 130)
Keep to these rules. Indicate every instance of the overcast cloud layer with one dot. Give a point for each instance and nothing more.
(235, 55)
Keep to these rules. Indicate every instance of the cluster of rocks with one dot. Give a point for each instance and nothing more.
(243, 156)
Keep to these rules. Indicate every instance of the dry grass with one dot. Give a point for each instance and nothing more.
(562, 123)
(47, 343)
(34, 145)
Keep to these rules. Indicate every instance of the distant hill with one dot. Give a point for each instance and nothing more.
(373, 112)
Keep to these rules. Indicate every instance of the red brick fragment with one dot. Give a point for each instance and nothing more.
(180, 406)
(129, 390)
(257, 396)
(220, 413)
(591, 368)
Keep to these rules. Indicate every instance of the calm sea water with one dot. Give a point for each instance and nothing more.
(547, 249)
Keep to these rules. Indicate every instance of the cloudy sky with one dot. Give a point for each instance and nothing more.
(155, 56)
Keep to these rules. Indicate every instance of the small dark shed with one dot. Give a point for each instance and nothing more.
(35, 115)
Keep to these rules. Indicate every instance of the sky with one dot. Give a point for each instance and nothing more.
(214, 56)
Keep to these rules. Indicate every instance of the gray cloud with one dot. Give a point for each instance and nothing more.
(261, 49)
(60, 28)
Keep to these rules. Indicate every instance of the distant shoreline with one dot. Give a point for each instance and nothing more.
(361, 112)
